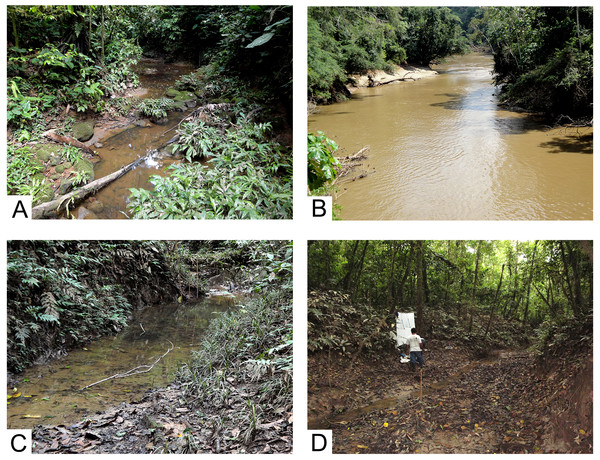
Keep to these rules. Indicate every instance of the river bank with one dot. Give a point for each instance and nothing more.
(375, 78)
(222, 400)
(223, 360)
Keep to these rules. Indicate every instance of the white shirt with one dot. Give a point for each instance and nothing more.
(414, 341)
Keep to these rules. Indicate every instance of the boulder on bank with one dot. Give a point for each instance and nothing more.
(85, 166)
(45, 194)
(66, 185)
(43, 152)
(83, 131)
(185, 97)
(380, 77)
(96, 207)
(172, 93)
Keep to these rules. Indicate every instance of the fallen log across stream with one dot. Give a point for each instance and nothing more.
(51, 208)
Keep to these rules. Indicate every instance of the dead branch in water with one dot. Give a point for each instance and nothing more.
(72, 198)
(196, 112)
(134, 371)
(350, 162)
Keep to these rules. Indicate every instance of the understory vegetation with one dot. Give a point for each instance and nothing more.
(62, 294)
(249, 175)
(484, 294)
(543, 56)
(251, 347)
(69, 64)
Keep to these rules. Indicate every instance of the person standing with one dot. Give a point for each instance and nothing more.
(413, 346)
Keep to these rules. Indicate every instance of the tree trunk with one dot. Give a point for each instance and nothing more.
(53, 207)
(68, 140)
(405, 276)
(487, 329)
(475, 279)
(15, 29)
(526, 312)
(359, 271)
(419, 270)
(345, 282)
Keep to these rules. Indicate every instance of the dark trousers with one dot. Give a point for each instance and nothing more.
(416, 357)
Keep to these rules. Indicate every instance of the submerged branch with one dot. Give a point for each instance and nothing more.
(136, 370)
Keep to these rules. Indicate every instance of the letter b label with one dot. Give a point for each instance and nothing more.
(321, 207)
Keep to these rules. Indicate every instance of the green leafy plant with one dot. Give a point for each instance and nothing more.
(155, 108)
(322, 164)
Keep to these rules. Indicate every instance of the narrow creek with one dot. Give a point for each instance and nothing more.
(51, 393)
(442, 148)
(123, 145)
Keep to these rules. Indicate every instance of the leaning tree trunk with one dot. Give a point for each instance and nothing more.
(54, 207)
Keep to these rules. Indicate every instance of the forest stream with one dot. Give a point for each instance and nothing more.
(442, 148)
(123, 145)
(52, 393)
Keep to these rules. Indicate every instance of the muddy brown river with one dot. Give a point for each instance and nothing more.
(442, 148)
(52, 393)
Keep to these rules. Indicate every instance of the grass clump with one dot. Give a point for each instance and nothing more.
(242, 372)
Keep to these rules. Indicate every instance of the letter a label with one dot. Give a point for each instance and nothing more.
(19, 207)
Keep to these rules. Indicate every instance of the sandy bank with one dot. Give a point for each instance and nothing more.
(381, 77)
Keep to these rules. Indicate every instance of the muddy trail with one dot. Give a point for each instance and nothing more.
(465, 405)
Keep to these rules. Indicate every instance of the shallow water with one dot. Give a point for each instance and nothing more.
(442, 148)
(121, 146)
(53, 392)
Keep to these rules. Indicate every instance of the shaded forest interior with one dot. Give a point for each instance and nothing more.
(62, 295)
(509, 338)
(74, 74)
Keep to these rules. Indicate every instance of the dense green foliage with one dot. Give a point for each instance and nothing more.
(489, 293)
(249, 177)
(322, 164)
(543, 56)
(65, 59)
(62, 294)
(357, 39)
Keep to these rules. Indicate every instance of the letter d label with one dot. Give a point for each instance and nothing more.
(321, 441)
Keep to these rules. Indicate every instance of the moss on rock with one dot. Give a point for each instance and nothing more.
(83, 131)
(86, 166)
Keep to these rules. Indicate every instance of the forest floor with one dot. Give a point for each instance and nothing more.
(163, 422)
(501, 404)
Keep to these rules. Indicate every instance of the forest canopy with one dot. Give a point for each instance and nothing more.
(543, 56)
(476, 282)
(349, 40)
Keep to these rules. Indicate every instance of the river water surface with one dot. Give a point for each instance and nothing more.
(52, 393)
(442, 148)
